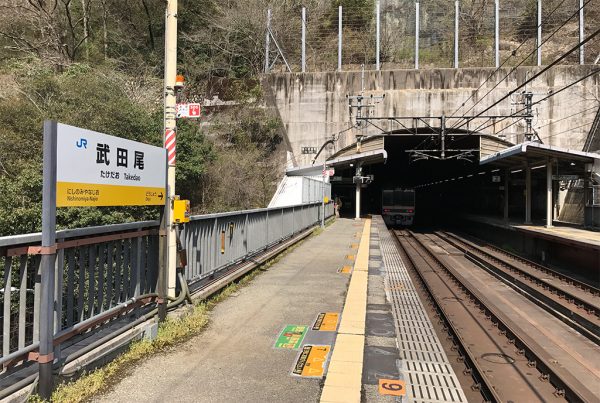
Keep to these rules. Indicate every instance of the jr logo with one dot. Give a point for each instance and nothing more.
(82, 143)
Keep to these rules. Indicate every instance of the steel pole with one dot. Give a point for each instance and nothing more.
(303, 39)
(357, 194)
(539, 33)
(527, 194)
(417, 35)
(340, 38)
(323, 197)
(268, 41)
(378, 34)
(506, 194)
(549, 204)
(497, 32)
(456, 16)
(170, 123)
(47, 264)
(581, 32)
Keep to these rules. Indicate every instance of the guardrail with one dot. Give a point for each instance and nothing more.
(100, 269)
(216, 241)
(97, 269)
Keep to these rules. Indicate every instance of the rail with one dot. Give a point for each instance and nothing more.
(101, 270)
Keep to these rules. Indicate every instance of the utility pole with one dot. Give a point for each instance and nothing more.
(529, 119)
(377, 34)
(443, 136)
(456, 17)
(170, 131)
(340, 38)
(417, 35)
(497, 32)
(581, 33)
(303, 39)
(268, 41)
(539, 32)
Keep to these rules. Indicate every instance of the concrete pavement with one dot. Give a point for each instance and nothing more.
(234, 359)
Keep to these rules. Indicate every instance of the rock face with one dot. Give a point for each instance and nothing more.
(313, 106)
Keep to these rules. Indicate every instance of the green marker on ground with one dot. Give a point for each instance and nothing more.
(291, 337)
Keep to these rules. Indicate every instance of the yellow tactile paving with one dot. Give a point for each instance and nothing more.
(344, 375)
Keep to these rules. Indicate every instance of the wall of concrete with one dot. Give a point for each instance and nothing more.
(313, 106)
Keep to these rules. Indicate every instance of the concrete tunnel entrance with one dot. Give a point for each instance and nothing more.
(405, 169)
(447, 189)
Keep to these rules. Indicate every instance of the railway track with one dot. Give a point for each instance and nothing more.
(513, 349)
(575, 303)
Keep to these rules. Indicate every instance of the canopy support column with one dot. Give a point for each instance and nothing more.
(549, 199)
(358, 186)
(527, 194)
(506, 184)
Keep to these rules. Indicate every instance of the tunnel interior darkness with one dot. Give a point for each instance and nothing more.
(466, 187)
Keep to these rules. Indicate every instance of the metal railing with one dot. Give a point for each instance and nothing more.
(216, 241)
(99, 268)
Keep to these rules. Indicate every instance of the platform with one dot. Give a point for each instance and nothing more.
(562, 233)
(573, 251)
(332, 321)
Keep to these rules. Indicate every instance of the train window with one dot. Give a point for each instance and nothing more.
(388, 197)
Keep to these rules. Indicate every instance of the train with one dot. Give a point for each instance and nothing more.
(398, 207)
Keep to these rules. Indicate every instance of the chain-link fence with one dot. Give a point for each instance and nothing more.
(345, 34)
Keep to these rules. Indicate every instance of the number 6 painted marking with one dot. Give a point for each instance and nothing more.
(394, 387)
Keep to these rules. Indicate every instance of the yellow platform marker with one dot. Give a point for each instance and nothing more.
(350, 257)
(354, 246)
(344, 375)
(311, 361)
(392, 387)
(326, 322)
(345, 270)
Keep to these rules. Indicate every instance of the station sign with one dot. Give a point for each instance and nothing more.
(96, 169)
(565, 177)
(188, 110)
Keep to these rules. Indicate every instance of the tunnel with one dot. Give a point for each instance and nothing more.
(454, 183)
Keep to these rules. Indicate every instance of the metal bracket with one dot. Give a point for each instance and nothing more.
(41, 359)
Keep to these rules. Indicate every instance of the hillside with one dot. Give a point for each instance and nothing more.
(98, 64)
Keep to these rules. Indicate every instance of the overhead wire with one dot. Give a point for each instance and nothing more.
(554, 93)
(526, 58)
(538, 74)
(513, 53)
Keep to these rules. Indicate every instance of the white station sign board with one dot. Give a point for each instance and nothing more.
(95, 169)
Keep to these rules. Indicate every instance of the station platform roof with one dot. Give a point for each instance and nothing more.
(532, 153)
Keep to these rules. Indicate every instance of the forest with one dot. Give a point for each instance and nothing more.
(98, 64)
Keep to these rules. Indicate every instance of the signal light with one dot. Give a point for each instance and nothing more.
(385, 210)
(410, 211)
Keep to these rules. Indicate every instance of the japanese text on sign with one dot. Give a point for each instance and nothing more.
(95, 169)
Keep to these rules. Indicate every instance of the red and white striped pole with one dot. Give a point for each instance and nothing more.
(170, 144)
